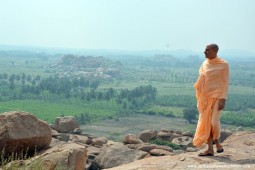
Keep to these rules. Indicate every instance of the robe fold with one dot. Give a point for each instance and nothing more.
(211, 85)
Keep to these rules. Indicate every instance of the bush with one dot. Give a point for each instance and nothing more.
(190, 114)
(166, 143)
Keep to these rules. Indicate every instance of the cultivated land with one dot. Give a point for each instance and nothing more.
(118, 94)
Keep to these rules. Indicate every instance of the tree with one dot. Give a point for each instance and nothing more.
(100, 97)
(190, 114)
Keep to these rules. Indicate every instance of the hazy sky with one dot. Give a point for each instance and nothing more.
(129, 24)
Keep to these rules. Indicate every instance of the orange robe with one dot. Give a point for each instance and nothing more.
(212, 85)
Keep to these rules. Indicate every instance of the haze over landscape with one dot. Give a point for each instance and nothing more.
(129, 25)
(98, 84)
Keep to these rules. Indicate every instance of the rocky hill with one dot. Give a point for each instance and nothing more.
(64, 146)
(86, 66)
(239, 154)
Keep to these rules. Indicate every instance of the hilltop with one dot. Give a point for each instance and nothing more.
(239, 154)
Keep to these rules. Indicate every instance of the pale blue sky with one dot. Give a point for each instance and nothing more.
(129, 24)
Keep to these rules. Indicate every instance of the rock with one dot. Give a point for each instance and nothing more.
(239, 154)
(92, 153)
(65, 156)
(167, 136)
(111, 142)
(55, 133)
(149, 147)
(99, 141)
(191, 149)
(148, 135)
(115, 155)
(63, 137)
(134, 146)
(239, 128)
(187, 133)
(23, 133)
(178, 132)
(56, 142)
(77, 131)
(183, 141)
(56, 124)
(167, 131)
(80, 139)
(178, 151)
(93, 150)
(66, 124)
(224, 134)
(52, 126)
(131, 139)
(160, 152)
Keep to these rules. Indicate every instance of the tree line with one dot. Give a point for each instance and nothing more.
(21, 86)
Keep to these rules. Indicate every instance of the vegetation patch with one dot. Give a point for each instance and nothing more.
(166, 143)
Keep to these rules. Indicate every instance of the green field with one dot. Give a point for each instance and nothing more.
(47, 110)
(21, 90)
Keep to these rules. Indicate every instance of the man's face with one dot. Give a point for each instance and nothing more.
(210, 53)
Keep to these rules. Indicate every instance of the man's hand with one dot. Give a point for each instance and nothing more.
(221, 104)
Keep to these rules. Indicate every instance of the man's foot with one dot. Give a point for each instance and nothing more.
(219, 149)
(206, 153)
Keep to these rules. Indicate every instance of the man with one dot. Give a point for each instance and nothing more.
(211, 93)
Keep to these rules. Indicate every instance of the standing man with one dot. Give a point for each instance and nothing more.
(211, 93)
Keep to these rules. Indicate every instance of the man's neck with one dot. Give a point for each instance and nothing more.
(212, 57)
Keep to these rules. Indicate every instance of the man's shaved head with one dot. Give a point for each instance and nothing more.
(215, 47)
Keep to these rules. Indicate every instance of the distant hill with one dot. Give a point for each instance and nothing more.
(182, 53)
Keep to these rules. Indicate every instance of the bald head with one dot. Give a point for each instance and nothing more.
(214, 47)
(211, 51)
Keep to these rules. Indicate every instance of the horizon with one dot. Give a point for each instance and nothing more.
(229, 54)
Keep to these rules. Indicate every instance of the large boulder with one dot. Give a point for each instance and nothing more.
(115, 155)
(148, 135)
(65, 156)
(22, 133)
(66, 124)
(131, 139)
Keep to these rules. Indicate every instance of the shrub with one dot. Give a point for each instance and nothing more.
(166, 143)
(190, 114)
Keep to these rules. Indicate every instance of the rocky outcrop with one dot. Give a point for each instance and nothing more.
(116, 155)
(64, 156)
(22, 133)
(80, 151)
(239, 154)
